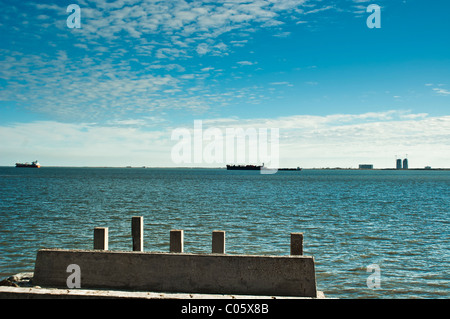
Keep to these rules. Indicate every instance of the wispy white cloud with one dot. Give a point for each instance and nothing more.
(319, 10)
(246, 63)
(359, 7)
(441, 91)
(438, 88)
(282, 83)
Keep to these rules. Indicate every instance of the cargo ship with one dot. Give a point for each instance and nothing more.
(245, 167)
(258, 168)
(34, 164)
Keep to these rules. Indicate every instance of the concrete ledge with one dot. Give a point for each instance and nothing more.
(54, 293)
(210, 274)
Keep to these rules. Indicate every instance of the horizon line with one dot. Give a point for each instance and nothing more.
(222, 167)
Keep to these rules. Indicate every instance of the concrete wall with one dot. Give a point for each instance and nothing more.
(179, 272)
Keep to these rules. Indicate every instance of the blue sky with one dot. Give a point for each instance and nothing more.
(111, 92)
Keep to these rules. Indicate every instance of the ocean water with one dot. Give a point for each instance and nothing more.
(397, 220)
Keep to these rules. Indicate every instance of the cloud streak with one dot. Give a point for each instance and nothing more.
(441, 91)
(194, 20)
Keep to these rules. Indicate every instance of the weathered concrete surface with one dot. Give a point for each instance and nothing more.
(101, 238)
(218, 242)
(54, 293)
(137, 233)
(180, 272)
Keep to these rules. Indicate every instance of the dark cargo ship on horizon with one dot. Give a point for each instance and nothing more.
(34, 164)
(257, 168)
(245, 167)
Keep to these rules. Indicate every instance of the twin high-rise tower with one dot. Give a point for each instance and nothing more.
(399, 163)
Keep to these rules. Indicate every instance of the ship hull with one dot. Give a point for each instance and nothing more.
(26, 165)
(256, 168)
(244, 167)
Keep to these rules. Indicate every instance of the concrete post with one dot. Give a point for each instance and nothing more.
(176, 241)
(137, 233)
(101, 238)
(297, 244)
(218, 242)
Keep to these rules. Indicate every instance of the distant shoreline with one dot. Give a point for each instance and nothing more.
(380, 169)
(281, 169)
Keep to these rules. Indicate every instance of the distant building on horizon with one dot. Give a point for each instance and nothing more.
(405, 163)
(365, 166)
(399, 163)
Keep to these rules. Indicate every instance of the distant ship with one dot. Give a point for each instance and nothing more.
(245, 167)
(290, 169)
(257, 168)
(34, 164)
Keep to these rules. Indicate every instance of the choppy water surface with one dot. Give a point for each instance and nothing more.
(398, 220)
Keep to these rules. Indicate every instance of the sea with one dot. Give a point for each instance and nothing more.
(372, 233)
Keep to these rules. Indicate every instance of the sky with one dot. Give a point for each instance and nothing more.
(112, 92)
